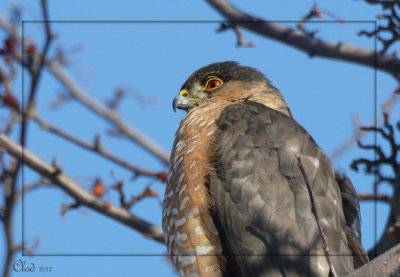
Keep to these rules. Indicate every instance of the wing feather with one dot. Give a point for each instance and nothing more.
(261, 206)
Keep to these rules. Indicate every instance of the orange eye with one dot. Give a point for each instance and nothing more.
(213, 84)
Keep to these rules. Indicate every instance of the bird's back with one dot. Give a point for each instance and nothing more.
(262, 208)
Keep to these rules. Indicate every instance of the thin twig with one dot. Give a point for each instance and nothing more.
(80, 194)
(39, 184)
(147, 192)
(97, 147)
(28, 250)
(386, 264)
(108, 114)
(43, 55)
(66, 208)
(7, 221)
(347, 144)
(312, 46)
(374, 166)
(36, 73)
(118, 187)
(314, 12)
(317, 219)
(10, 197)
(390, 34)
(375, 197)
(238, 32)
(12, 179)
(99, 108)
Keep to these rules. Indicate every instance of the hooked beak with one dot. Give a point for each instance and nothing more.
(181, 102)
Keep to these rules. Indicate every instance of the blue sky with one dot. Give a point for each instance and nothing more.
(154, 59)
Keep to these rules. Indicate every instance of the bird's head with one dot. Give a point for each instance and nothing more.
(227, 81)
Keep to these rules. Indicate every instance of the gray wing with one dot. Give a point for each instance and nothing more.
(261, 206)
(351, 208)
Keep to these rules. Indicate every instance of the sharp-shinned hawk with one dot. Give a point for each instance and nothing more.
(236, 202)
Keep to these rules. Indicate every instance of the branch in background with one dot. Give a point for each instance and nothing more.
(392, 28)
(29, 250)
(121, 93)
(373, 166)
(7, 220)
(347, 144)
(10, 48)
(96, 147)
(239, 34)
(390, 102)
(386, 265)
(387, 106)
(118, 187)
(35, 71)
(82, 196)
(34, 62)
(306, 43)
(84, 97)
(39, 184)
(314, 12)
(61, 99)
(375, 197)
(61, 54)
(146, 193)
(66, 208)
(109, 114)
(391, 235)
(7, 80)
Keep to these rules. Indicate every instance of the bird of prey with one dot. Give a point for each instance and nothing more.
(236, 201)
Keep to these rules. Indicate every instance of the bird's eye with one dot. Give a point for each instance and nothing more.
(213, 83)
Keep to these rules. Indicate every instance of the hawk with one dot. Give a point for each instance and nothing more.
(236, 202)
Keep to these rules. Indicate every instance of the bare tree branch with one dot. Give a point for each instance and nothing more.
(10, 28)
(39, 184)
(386, 265)
(108, 114)
(240, 42)
(35, 70)
(391, 234)
(7, 221)
(96, 147)
(392, 27)
(80, 194)
(348, 143)
(375, 197)
(84, 97)
(65, 208)
(29, 250)
(307, 43)
(314, 12)
(146, 193)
